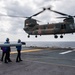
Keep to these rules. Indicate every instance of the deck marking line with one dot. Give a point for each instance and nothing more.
(66, 52)
(34, 50)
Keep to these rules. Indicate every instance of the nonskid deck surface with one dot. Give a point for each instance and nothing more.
(40, 61)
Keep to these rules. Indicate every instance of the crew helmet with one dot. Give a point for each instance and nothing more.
(7, 39)
(19, 40)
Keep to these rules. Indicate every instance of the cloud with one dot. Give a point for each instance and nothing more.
(14, 8)
(14, 26)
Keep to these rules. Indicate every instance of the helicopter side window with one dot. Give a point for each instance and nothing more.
(63, 26)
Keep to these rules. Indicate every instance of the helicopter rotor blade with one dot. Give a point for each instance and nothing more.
(74, 16)
(37, 20)
(16, 16)
(38, 13)
(58, 12)
(61, 17)
(12, 16)
(23, 16)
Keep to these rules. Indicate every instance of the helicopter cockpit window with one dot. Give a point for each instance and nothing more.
(30, 22)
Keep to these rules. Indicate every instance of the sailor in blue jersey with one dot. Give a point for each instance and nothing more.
(7, 57)
(18, 59)
(3, 53)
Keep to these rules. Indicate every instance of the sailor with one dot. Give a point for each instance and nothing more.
(18, 58)
(3, 53)
(8, 50)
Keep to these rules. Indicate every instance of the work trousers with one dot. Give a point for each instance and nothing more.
(3, 54)
(7, 56)
(18, 55)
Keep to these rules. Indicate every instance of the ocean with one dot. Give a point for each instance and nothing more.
(48, 44)
(51, 44)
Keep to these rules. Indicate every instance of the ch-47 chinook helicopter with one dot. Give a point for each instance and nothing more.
(67, 26)
(31, 27)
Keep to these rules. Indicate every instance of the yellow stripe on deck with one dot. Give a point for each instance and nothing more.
(25, 51)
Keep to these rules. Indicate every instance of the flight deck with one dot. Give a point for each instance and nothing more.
(40, 61)
(60, 57)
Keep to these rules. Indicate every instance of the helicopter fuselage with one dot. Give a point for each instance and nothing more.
(50, 29)
(67, 26)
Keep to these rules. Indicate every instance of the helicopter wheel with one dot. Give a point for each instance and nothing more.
(28, 36)
(55, 36)
(36, 36)
(61, 36)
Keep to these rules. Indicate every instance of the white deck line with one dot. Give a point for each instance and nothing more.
(66, 52)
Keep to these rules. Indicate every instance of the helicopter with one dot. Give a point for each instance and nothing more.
(31, 27)
(65, 27)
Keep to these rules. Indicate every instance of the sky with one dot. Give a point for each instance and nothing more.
(13, 27)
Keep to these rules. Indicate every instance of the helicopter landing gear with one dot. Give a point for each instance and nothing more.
(55, 36)
(61, 36)
(36, 36)
(28, 36)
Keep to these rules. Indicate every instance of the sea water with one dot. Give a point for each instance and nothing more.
(51, 44)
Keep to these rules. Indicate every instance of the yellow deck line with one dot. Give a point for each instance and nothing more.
(25, 51)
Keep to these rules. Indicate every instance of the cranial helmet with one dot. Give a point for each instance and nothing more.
(19, 40)
(7, 39)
